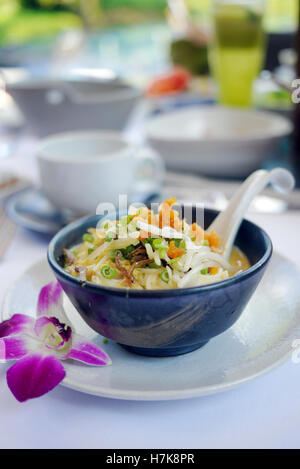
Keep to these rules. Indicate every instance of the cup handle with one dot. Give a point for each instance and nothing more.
(148, 176)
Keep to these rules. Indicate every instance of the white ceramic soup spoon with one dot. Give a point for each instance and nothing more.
(228, 222)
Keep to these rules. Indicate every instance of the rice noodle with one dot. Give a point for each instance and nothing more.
(149, 250)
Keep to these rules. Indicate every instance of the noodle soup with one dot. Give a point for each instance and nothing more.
(158, 251)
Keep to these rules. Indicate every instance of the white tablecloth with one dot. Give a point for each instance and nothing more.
(264, 413)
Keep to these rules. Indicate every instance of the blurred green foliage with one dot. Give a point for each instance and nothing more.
(106, 4)
(48, 4)
(25, 20)
(142, 4)
(25, 27)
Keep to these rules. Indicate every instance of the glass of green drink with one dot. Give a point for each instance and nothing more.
(237, 49)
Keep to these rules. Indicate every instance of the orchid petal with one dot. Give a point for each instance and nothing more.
(88, 352)
(34, 375)
(50, 302)
(16, 347)
(40, 323)
(17, 324)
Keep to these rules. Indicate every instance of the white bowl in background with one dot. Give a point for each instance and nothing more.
(217, 141)
(51, 106)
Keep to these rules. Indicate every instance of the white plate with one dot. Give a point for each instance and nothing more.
(260, 340)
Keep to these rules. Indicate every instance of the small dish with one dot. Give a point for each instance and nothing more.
(217, 141)
(258, 342)
(163, 322)
(30, 209)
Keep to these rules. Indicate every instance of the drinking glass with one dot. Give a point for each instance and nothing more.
(237, 49)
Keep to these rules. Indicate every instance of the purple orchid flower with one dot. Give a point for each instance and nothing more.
(40, 344)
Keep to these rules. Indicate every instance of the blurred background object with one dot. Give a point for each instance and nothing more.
(217, 141)
(189, 45)
(26, 21)
(81, 102)
(237, 49)
(140, 41)
(121, 64)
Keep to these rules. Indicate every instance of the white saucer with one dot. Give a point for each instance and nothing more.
(260, 340)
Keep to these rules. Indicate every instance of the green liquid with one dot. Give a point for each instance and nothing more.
(237, 53)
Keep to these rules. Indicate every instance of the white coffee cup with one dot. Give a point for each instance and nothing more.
(81, 169)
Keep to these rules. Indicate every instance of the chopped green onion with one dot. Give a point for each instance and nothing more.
(174, 262)
(204, 271)
(104, 341)
(105, 224)
(162, 252)
(156, 243)
(108, 272)
(91, 249)
(113, 253)
(164, 276)
(182, 244)
(177, 242)
(75, 252)
(110, 236)
(88, 237)
(153, 265)
(205, 242)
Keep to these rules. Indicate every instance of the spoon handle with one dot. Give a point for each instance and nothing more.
(228, 222)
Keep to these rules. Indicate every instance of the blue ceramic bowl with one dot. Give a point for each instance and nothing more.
(163, 322)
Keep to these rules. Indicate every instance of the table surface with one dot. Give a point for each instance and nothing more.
(265, 413)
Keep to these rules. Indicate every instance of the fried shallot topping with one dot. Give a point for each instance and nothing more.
(126, 273)
(139, 264)
(138, 254)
